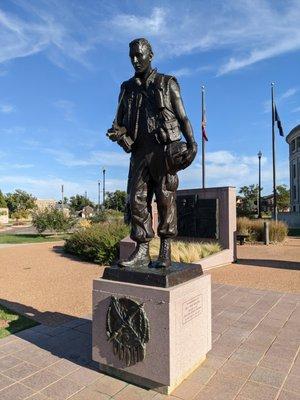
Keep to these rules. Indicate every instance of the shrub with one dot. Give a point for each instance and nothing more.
(83, 223)
(106, 216)
(52, 219)
(20, 214)
(98, 243)
(278, 231)
(186, 251)
(255, 229)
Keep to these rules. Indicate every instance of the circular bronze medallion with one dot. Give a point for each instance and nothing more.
(127, 327)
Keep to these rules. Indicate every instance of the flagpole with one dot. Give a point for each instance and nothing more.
(203, 143)
(273, 154)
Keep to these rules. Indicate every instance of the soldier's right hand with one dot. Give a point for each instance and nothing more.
(122, 142)
(112, 134)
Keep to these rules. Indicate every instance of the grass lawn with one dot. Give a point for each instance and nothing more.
(11, 322)
(29, 238)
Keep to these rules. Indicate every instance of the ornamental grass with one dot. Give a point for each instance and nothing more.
(254, 228)
(186, 251)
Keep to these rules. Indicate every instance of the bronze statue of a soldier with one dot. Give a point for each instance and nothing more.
(149, 121)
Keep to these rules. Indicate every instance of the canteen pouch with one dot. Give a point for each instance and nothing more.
(168, 130)
(171, 128)
(172, 182)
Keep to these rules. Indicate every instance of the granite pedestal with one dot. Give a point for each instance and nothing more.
(180, 331)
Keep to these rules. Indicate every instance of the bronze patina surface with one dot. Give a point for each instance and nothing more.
(127, 327)
(149, 122)
(162, 277)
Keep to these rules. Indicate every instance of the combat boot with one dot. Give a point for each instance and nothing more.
(139, 258)
(164, 257)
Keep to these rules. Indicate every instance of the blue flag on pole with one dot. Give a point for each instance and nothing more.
(277, 119)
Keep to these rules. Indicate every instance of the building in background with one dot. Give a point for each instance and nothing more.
(293, 139)
(45, 203)
(4, 215)
(293, 217)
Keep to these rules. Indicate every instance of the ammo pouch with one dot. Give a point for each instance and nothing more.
(168, 129)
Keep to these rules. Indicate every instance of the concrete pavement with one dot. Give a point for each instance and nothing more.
(255, 356)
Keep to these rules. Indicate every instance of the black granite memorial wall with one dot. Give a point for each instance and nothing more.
(197, 218)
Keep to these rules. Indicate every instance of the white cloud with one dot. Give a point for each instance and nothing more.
(296, 110)
(104, 158)
(13, 130)
(7, 108)
(255, 56)
(153, 24)
(290, 92)
(267, 105)
(251, 31)
(220, 157)
(50, 187)
(33, 144)
(182, 72)
(10, 166)
(224, 168)
(185, 71)
(67, 108)
(50, 27)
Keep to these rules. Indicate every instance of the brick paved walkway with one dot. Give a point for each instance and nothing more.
(256, 338)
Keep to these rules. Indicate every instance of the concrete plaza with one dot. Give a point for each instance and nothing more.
(256, 329)
(256, 338)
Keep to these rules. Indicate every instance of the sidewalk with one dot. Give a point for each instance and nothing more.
(256, 336)
(274, 267)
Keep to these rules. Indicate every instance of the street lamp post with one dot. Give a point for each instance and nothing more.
(103, 199)
(99, 184)
(259, 183)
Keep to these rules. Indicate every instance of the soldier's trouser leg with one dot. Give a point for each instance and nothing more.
(165, 187)
(141, 193)
(165, 192)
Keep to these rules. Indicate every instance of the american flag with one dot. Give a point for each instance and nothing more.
(203, 124)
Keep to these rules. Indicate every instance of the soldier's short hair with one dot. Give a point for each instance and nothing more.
(143, 42)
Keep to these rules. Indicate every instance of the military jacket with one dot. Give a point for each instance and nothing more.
(147, 109)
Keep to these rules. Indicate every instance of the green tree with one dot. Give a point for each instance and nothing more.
(115, 200)
(283, 197)
(65, 201)
(20, 214)
(52, 219)
(77, 202)
(248, 204)
(2, 200)
(20, 202)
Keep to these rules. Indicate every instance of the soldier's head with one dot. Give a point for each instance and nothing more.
(141, 54)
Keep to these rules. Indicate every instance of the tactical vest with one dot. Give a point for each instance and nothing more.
(148, 108)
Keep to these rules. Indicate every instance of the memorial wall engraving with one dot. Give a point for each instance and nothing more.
(197, 218)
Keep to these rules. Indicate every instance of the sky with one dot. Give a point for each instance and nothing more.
(62, 63)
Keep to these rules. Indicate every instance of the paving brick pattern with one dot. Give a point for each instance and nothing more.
(255, 356)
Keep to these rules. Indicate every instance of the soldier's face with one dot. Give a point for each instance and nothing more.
(140, 58)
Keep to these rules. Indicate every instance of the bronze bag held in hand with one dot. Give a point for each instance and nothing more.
(119, 134)
(176, 153)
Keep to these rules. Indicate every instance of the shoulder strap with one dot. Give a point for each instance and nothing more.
(162, 82)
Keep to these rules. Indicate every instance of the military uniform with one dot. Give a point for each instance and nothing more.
(145, 110)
